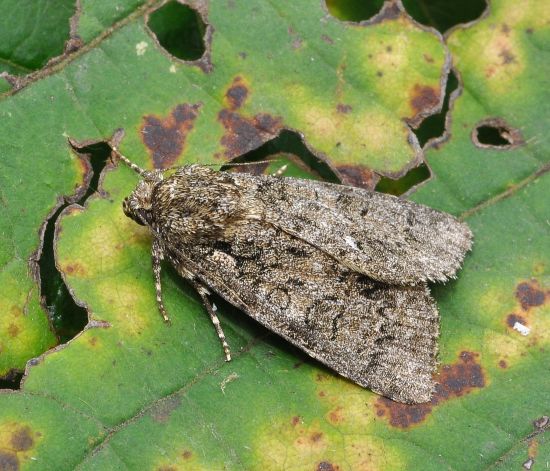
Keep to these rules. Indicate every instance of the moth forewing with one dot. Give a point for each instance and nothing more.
(337, 271)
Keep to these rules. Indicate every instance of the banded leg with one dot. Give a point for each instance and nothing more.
(203, 293)
(157, 257)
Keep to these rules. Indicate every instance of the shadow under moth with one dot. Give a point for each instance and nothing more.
(338, 271)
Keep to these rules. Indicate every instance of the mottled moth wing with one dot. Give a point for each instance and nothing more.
(387, 238)
(339, 272)
(382, 337)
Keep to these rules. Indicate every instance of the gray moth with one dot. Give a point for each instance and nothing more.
(338, 271)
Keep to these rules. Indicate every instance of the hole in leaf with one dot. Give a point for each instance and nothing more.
(411, 179)
(287, 148)
(434, 126)
(354, 10)
(67, 317)
(443, 14)
(180, 30)
(493, 136)
(12, 380)
(496, 133)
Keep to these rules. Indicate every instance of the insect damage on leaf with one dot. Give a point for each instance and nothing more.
(338, 271)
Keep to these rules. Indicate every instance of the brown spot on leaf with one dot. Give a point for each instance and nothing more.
(379, 73)
(507, 56)
(327, 466)
(316, 436)
(295, 420)
(321, 377)
(358, 175)
(505, 29)
(16, 311)
(165, 137)
(511, 320)
(75, 269)
(236, 94)
(92, 341)
(186, 454)
(244, 134)
(424, 98)
(336, 416)
(502, 364)
(429, 59)
(344, 109)
(13, 330)
(529, 294)
(327, 39)
(8, 461)
(455, 380)
(21, 439)
(529, 30)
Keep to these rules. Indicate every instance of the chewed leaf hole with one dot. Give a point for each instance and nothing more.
(286, 149)
(404, 184)
(67, 317)
(12, 380)
(180, 30)
(442, 14)
(433, 127)
(354, 10)
(496, 133)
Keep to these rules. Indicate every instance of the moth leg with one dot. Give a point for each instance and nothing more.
(157, 257)
(279, 173)
(203, 293)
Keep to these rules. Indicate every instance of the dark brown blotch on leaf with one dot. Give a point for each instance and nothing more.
(344, 109)
(358, 175)
(8, 461)
(21, 439)
(165, 137)
(503, 364)
(424, 98)
(327, 39)
(511, 320)
(236, 94)
(244, 134)
(529, 294)
(327, 466)
(186, 454)
(455, 380)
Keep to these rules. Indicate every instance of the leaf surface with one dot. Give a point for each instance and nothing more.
(130, 392)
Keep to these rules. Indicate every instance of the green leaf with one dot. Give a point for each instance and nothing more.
(131, 392)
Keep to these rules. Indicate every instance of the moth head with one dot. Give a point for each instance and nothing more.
(138, 205)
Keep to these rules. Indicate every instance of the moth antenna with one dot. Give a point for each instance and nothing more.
(128, 162)
(246, 164)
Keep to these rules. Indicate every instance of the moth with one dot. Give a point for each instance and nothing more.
(338, 271)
